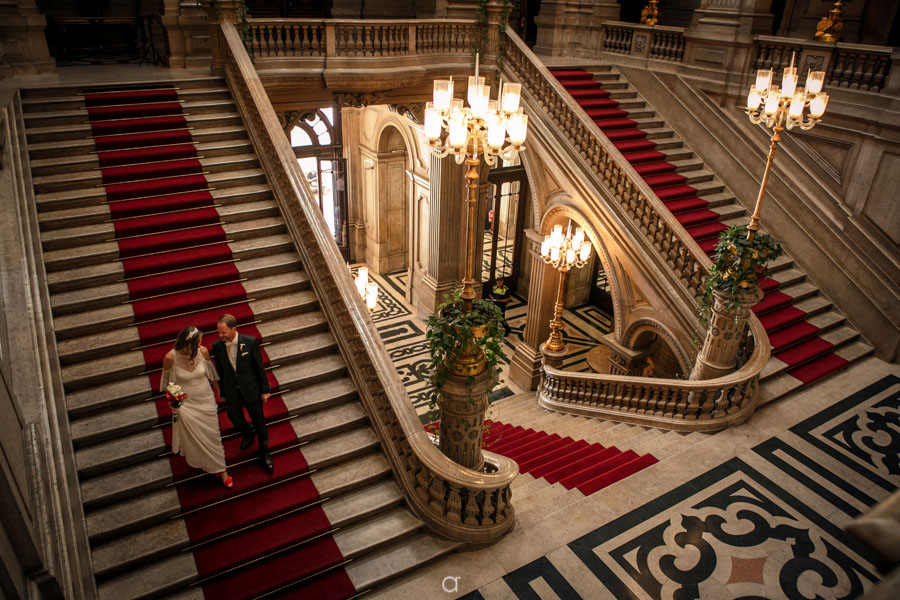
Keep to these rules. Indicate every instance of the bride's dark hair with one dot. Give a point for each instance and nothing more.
(189, 338)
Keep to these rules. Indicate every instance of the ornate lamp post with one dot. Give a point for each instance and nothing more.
(783, 108)
(779, 108)
(489, 130)
(564, 253)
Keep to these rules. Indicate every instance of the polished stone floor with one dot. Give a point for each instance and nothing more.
(403, 333)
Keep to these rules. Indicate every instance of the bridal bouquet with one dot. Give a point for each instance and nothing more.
(176, 398)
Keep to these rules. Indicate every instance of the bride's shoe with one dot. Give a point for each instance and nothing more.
(227, 481)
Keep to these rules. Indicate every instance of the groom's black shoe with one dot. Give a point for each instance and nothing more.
(248, 439)
(266, 461)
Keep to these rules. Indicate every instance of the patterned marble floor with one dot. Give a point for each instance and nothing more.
(765, 524)
(403, 334)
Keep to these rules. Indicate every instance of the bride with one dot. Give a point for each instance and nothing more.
(195, 430)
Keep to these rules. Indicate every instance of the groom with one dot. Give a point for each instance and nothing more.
(244, 384)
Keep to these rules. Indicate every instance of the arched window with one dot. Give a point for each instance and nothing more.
(316, 140)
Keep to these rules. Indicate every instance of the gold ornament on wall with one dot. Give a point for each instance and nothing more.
(650, 14)
(829, 28)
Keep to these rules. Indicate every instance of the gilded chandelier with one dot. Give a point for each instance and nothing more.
(490, 128)
(563, 253)
(787, 106)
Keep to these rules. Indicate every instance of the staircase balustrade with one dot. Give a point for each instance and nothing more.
(669, 403)
(459, 503)
(277, 38)
(656, 42)
(852, 66)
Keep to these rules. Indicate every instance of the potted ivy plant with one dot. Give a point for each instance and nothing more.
(738, 264)
(465, 356)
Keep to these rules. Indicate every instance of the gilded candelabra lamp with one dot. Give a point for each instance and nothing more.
(564, 253)
(829, 27)
(742, 253)
(486, 130)
(781, 108)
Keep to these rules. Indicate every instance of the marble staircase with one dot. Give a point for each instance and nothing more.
(135, 520)
(811, 338)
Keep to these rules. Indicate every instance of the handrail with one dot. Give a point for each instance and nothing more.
(671, 403)
(327, 38)
(454, 501)
(661, 229)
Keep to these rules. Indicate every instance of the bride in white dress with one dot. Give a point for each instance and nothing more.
(195, 431)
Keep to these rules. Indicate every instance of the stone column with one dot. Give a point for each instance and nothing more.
(721, 35)
(563, 25)
(187, 34)
(525, 366)
(463, 403)
(445, 266)
(625, 361)
(718, 356)
(23, 50)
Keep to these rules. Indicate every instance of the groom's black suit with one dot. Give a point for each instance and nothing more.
(243, 386)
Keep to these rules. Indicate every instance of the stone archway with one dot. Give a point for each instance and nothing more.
(660, 354)
(387, 246)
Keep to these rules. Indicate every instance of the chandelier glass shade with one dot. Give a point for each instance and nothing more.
(787, 106)
(488, 128)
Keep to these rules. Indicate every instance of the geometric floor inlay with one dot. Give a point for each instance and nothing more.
(764, 524)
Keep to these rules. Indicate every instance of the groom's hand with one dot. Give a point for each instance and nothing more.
(265, 397)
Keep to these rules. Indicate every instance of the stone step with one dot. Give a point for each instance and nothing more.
(122, 315)
(171, 574)
(78, 116)
(674, 153)
(171, 536)
(59, 182)
(88, 160)
(86, 196)
(124, 366)
(141, 416)
(683, 165)
(779, 382)
(110, 522)
(114, 294)
(131, 390)
(148, 444)
(155, 474)
(414, 551)
(722, 199)
(68, 100)
(727, 212)
(838, 335)
(649, 122)
(788, 276)
(190, 81)
(92, 254)
(233, 212)
(74, 140)
(669, 143)
(66, 227)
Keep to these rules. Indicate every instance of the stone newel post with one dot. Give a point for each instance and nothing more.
(718, 356)
(463, 403)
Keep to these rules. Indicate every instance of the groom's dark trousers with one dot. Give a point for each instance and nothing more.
(243, 386)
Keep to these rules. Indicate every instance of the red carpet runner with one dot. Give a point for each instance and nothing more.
(573, 463)
(794, 341)
(180, 271)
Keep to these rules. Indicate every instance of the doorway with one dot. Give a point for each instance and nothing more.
(503, 226)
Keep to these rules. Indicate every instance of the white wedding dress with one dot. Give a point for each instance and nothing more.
(195, 434)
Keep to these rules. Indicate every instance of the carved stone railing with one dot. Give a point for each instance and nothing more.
(459, 503)
(670, 403)
(278, 38)
(852, 66)
(643, 41)
(625, 186)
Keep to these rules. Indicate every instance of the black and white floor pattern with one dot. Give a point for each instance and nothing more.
(403, 334)
(763, 524)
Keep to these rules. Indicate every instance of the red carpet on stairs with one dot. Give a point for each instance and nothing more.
(268, 530)
(809, 361)
(572, 463)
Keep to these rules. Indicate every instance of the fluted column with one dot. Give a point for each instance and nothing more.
(525, 366)
(718, 356)
(446, 249)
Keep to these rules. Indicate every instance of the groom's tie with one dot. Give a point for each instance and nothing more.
(232, 348)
